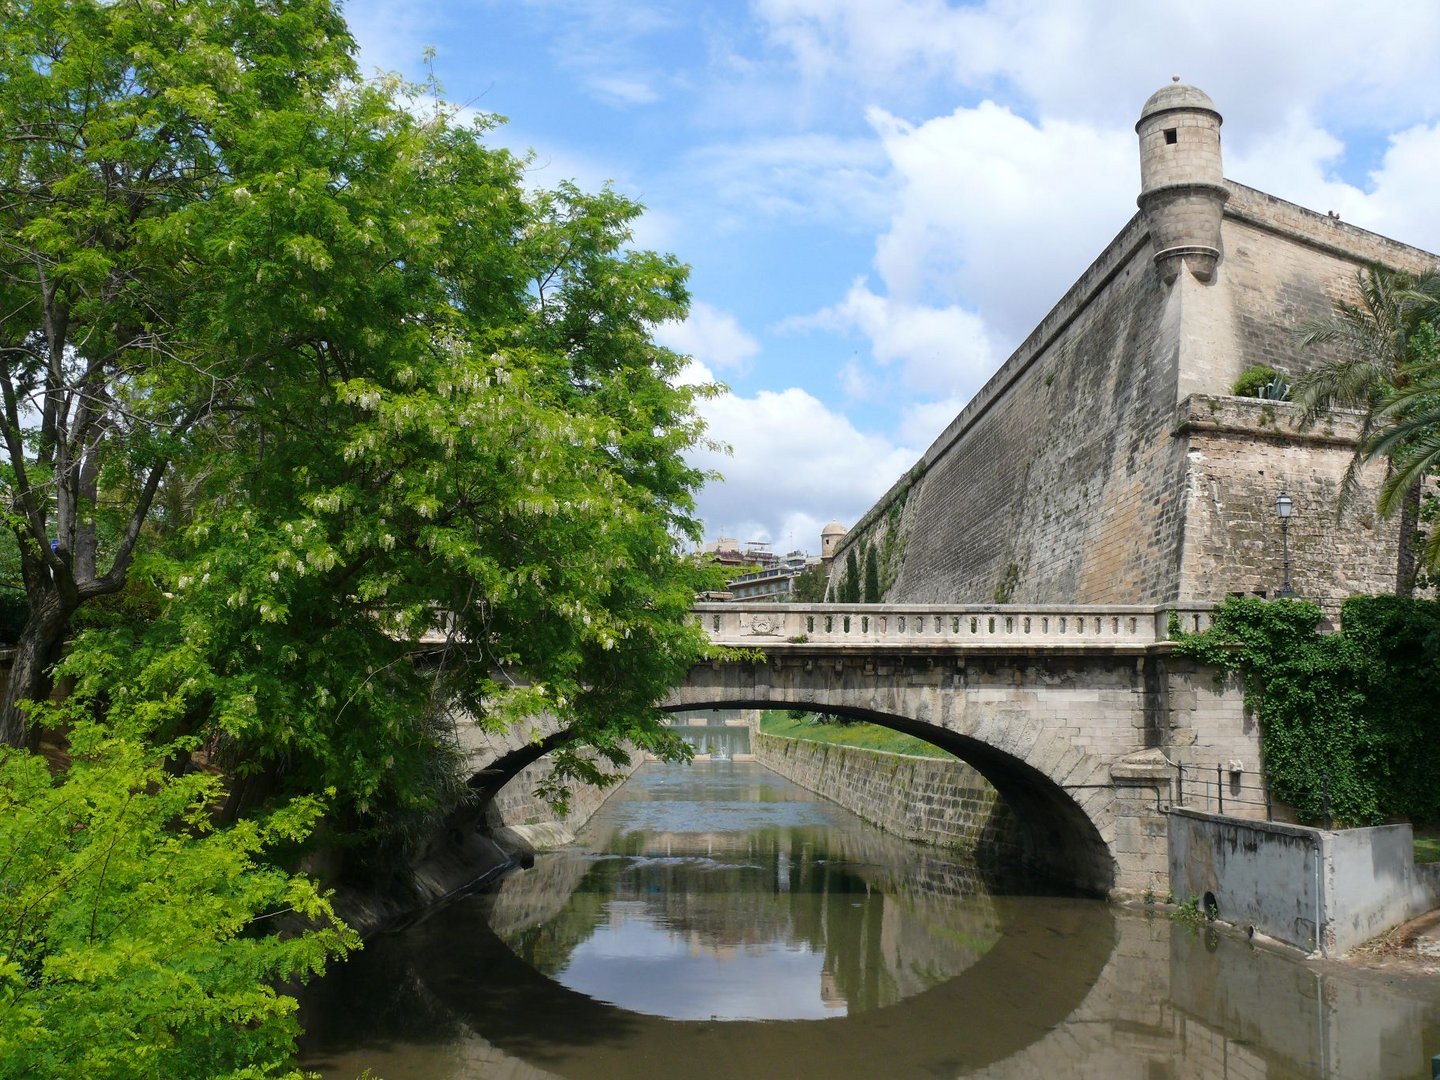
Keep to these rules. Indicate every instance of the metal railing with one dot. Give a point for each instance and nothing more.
(1223, 790)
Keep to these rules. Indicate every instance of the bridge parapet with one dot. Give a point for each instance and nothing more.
(966, 626)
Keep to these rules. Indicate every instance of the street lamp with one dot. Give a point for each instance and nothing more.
(1284, 507)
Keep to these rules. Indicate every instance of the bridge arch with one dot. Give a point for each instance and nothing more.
(1060, 795)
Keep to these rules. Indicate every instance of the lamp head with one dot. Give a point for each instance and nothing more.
(1284, 506)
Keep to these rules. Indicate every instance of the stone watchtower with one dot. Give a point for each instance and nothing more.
(1182, 191)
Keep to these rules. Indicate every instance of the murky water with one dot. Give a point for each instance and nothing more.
(720, 922)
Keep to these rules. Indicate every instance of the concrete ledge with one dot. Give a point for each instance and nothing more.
(1322, 891)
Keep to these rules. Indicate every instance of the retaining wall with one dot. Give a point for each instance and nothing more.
(936, 801)
(1322, 891)
(516, 813)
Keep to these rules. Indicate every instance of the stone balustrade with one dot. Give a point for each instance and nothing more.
(968, 626)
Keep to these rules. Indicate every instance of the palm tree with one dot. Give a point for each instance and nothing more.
(1411, 438)
(1376, 347)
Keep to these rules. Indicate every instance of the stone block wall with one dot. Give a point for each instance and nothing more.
(1058, 482)
(1242, 453)
(935, 801)
(516, 807)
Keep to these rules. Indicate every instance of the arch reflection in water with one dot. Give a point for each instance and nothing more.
(723, 895)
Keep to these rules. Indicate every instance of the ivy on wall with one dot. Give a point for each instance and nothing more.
(1349, 721)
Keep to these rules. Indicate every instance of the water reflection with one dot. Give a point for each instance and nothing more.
(728, 893)
(718, 734)
(1039, 987)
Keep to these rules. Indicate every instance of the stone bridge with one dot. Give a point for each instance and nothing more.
(1078, 715)
(1081, 717)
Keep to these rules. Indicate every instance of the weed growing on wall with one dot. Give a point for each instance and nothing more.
(1347, 719)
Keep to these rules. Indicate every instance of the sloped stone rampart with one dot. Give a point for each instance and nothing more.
(936, 801)
(1104, 462)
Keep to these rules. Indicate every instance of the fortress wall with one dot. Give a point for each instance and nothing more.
(1083, 472)
(1242, 452)
(1286, 267)
(1058, 482)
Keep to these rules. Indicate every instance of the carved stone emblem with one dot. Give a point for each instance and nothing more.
(764, 624)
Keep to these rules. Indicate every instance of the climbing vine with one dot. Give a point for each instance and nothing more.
(1347, 720)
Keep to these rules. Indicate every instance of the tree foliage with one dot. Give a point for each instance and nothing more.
(135, 940)
(809, 585)
(872, 590)
(1382, 343)
(848, 588)
(1346, 719)
(363, 440)
(403, 398)
(124, 127)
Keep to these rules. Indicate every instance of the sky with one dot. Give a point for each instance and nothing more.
(878, 199)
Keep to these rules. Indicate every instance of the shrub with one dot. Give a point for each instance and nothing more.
(1253, 380)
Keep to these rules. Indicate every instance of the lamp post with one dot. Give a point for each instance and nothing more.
(1284, 507)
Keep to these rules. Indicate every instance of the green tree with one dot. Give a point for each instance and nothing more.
(809, 585)
(135, 940)
(872, 576)
(465, 434)
(1374, 346)
(850, 585)
(1410, 438)
(435, 410)
(117, 121)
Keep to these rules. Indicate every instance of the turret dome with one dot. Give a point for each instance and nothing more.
(1176, 96)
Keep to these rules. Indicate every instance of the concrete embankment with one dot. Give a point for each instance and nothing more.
(938, 801)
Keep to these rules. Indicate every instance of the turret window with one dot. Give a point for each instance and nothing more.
(1172, 136)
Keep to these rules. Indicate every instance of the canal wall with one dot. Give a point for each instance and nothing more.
(518, 818)
(1319, 890)
(936, 801)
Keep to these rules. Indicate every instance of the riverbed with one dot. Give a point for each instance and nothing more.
(717, 921)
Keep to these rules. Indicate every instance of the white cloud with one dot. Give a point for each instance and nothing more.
(1000, 213)
(938, 349)
(794, 178)
(711, 336)
(795, 466)
(1296, 161)
(624, 90)
(925, 420)
(993, 217)
(1078, 59)
(1402, 201)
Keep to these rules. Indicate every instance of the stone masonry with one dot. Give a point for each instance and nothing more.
(939, 801)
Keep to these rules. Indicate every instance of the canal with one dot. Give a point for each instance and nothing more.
(717, 921)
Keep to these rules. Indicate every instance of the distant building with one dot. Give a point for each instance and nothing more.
(771, 582)
(763, 574)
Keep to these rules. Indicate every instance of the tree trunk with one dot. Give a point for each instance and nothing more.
(1409, 527)
(30, 670)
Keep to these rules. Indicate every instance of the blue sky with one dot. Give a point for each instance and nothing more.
(879, 198)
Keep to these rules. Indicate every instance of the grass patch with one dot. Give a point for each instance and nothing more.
(866, 736)
(1427, 844)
